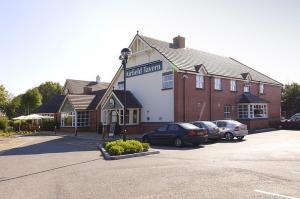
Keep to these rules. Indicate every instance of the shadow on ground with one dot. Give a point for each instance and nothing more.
(60, 145)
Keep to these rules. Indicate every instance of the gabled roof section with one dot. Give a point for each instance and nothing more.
(131, 101)
(81, 102)
(76, 86)
(52, 105)
(249, 98)
(187, 58)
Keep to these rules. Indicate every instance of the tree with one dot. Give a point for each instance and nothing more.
(291, 99)
(49, 89)
(14, 107)
(4, 98)
(31, 100)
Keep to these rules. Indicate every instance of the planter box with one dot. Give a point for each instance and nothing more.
(118, 157)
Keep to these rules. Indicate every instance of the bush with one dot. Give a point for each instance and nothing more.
(146, 146)
(48, 125)
(116, 150)
(3, 123)
(125, 147)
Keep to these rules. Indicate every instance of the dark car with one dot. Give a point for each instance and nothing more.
(213, 129)
(293, 123)
(177, 134)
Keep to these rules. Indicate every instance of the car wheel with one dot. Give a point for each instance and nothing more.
(146, 139)
(240, 137)
(178, 142)
(228, 136)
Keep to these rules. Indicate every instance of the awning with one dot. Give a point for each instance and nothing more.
(249, 98)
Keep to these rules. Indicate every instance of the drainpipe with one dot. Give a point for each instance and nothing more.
(184, 77)
(210, 98)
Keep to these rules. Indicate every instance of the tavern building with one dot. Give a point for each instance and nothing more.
(167, 82)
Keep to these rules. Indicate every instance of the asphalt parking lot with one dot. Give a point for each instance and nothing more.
(264, 165)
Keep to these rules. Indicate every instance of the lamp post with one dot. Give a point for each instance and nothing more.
(125, 53)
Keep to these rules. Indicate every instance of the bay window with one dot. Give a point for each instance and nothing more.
(252, 111)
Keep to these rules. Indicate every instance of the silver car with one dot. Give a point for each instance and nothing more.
(229, 129)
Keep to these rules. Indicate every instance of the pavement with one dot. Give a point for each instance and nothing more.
(264, 165)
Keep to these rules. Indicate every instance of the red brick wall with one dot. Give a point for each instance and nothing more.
(197, 100)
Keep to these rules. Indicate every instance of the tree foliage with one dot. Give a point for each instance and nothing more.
(31, 100)
(49, 89)
(4, 98)
(291, 99)
(14, 108)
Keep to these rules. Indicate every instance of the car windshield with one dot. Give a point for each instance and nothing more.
(210, 125)
(232, 122)
(188, 126)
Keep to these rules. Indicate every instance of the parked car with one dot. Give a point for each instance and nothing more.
(229, 129)
(295, 116)
(293, 123)
(213, 129)
(177, 134)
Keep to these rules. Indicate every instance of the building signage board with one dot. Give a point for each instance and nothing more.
(144, 69)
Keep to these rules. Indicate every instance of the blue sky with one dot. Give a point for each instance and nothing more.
(54, 40)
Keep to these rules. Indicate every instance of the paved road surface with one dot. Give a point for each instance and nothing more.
(265, 165)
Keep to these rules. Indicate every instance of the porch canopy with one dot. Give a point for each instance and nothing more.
(113, 107)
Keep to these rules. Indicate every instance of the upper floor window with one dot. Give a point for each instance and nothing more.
(120, 85)
(232, 85)
(218, 85)
(199, 81)
(261, 88)
(247, 87)
(167, 81)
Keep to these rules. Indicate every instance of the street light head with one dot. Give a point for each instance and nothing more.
(125, 52)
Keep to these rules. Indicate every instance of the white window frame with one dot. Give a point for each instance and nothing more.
(218, 83)
(199, 81)
(121, 85)
(233, 85)
(227, 111)
(247, 86)
(261, 88)
(167, 81)
(63, 115)
(130, 121)
(247, 111)
(83, 118)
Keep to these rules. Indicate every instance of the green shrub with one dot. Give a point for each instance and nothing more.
(146, 146)
(128, 146)
(116, 150)
(48, 125)
(3, 123)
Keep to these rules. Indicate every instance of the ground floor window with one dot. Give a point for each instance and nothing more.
(83, 118)
(251, 111)
(131, 117)
(227, 112)
(68, 119)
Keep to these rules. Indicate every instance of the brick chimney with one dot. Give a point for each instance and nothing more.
(178, 42)
(87, 90)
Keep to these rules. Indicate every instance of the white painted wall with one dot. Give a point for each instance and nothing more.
(157, 104)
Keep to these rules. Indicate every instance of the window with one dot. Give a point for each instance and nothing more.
(68, 119)
(261, 88)
(173, 127)
(218, 84)
(83, 118)
(120, 85)
(247, 87)
(167, 81)
(252, 111)
(132, 116)
(199, 81)
(227, 110)
(163, 128)
(232, 85)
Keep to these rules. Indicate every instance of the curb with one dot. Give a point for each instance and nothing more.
(109, 157)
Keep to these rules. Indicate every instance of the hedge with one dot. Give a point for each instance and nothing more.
(120, 147)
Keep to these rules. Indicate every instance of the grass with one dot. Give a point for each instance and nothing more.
(7, 134)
